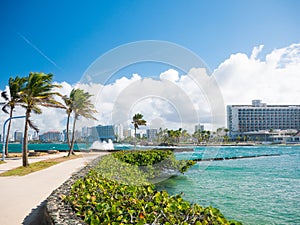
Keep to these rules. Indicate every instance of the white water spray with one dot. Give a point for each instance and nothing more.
(103, 145)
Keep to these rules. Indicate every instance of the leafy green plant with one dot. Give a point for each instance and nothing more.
(107, 196)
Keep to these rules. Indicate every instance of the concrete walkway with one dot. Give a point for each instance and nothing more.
(19, 195)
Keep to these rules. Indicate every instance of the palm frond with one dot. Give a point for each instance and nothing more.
(4, 95)
(4, 108)
(33, 126)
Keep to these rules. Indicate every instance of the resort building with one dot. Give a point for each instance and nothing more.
(259, 116)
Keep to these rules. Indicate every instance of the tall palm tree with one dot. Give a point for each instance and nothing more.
(137, 120)
(38, 91)
(69, 109)
(15, 85)
(81, 105)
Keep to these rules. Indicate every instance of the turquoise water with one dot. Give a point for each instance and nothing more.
(15, 148)
(264, 190)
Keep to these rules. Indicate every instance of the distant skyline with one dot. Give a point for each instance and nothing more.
(251, 47)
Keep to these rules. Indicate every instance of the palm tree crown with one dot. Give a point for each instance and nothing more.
(12, 98)
(79, 104)
(137, 121)
(36, 92)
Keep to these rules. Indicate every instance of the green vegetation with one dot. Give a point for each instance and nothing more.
(79, 104)
(36, 90)
(118, 192)
(15, 85)
(137, 120)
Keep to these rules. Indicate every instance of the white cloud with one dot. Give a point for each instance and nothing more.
(275, 79)
(171, 75)
(181, 101)
(256, 51)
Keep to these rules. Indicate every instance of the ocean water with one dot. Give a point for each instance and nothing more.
(263, 190)
(16, 148)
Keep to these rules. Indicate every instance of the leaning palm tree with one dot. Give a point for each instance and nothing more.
(81, 105)
(69, 109)
(15, 85)
(137, 120)
(38, 91)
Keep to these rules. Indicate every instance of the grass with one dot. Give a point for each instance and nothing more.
(33, 167)
(2, 162)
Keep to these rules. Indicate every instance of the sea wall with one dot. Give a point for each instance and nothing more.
(56, 210)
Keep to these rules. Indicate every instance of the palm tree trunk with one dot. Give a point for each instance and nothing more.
(135, 138)
(25, 140)
(71, 151)
(8, 131)
(68, 123)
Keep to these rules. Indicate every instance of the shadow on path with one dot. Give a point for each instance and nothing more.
(38, 216)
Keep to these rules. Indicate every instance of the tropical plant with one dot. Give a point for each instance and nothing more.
(162, 136)
(15, 85)
(37, 91)
(111, 194)
(174, 135)
(185, 135)
(137, 120)
(202, 136)
(79, 104)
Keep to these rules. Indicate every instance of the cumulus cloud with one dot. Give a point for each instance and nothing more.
(175, 101)
(256, 50)
(274, 79)
(171, 75)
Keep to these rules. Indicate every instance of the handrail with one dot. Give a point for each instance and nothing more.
(3, 132)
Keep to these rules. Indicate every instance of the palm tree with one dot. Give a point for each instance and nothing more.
(69, 109)
(15, 85)
(185, 135)
(137, 121)
(80, 104)
(36, 92)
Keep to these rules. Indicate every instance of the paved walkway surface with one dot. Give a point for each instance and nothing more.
(19, 195)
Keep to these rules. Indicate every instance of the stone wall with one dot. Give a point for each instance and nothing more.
(57, 211)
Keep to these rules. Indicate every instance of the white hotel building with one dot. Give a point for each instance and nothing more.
(260, 116)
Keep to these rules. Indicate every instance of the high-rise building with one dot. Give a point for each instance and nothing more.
(51, 136)
(260, 116)
(128, 132)
(151, 134)
(119, 132)
(199, 127)
(64, 135)
(18, 135)
(106, 132)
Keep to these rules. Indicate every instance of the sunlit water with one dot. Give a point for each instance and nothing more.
(264, 190)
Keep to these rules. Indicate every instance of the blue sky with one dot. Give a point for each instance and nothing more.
(252, 48)
(65, 37)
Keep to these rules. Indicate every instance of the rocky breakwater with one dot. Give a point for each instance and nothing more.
(57, 211)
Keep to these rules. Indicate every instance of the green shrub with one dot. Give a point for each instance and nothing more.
(116, 192)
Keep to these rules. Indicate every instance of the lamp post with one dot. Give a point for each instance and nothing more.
(3, 148)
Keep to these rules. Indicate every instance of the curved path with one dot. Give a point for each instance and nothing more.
(19, 195)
